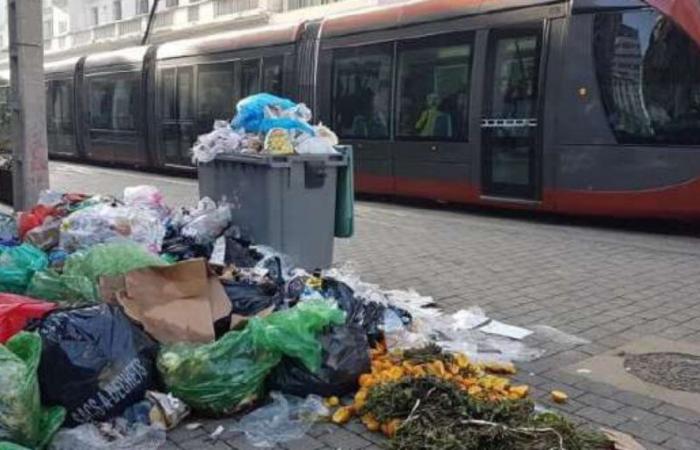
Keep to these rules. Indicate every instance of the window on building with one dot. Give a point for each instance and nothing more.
(362, 91)
(171, 3)
(62, 27)
(117, 10)
(250, 78)
(94, 16)
(434, 79)
(649, 75)
(114, 102)
(216, 94)
(142, 7)
(48, 29)
(272, 75)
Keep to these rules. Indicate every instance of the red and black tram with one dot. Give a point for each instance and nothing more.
(571, 106)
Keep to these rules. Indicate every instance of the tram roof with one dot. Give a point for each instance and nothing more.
(234, 40)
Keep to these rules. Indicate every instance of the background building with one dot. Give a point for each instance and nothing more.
(73, 27)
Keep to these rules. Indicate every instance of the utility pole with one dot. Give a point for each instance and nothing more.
(28, 102)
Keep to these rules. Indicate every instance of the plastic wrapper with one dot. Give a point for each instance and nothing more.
(315, 146)
(221, 140)
(103, 223)
(95, 363)
(261, 113)
(283, 420)
(28, 220)
(22, 418)
(279, 142)
(18, 265)
(117, 435)
(147, 197)
(228, 375)
(46, 235)
(206, 227)
(326, 133)
(16, 311)
(345, 358)
(8, 228)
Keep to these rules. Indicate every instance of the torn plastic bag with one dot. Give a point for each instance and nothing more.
(16, 311)
(147, 197)
(228, 375)
(345, 358)
(283, 420)
(208, 226)
(222, 139)
(368, 315)
(103, 223)
(95, 362)
(262, 112)
(22, 418)
(45, 236)
(248, 299)
(117, 435)
(18, 265)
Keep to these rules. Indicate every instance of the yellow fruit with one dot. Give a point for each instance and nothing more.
(360, 398)
(332, 401)
(342, 415)
(454, 369)
(474, 390)
(366, 380)
(500, 368)
(394, 374)
(559, 397)
(371, 423)
(518, 392)
(461, 360)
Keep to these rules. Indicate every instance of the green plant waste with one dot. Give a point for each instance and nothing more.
(437, 415)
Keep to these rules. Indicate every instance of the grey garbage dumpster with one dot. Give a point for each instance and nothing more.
(285, 202)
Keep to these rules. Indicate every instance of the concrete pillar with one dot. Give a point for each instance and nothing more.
(28, 101)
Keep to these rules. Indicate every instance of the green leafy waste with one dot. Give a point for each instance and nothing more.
(437, 415)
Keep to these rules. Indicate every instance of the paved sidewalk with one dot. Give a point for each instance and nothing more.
(611, 286)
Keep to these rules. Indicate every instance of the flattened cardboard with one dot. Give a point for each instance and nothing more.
(177, 303)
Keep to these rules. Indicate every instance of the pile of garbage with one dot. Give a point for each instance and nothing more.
(122, 316)
(266, 125)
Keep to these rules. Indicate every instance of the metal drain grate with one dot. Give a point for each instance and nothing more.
(676, 371)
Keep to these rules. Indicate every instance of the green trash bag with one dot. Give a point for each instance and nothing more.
(10, 446)
(65, 289)
(23, 420)
(110, 259)
(18, 265)
(228, 375)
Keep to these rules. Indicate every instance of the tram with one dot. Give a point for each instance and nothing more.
(570, 106)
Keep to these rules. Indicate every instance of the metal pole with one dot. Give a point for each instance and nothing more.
(28, 102)
(150, 22)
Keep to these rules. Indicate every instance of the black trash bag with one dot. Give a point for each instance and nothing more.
(239, 253)
(95, 362)
(248, 298)
(365, 314)
(182, 248)
(345, 358)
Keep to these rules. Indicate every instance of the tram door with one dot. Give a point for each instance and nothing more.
(510, 122)
(177, 102)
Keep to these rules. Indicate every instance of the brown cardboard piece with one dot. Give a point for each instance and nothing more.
(177, 303)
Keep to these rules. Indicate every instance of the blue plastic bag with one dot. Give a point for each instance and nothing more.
(250, 115)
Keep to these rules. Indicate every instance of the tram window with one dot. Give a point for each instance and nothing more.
(362, 91)
(168, 94)
(434, 90)
(185, 92)
(217, 94)
(272, 75)
(649, 75)
(59, 106)
(114, 102)
(515, 92)
(250, 78)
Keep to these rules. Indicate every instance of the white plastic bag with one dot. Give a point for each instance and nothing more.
(117, 435)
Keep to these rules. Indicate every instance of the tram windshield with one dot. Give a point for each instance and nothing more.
(649, 74)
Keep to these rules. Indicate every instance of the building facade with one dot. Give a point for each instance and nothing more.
(78, 27)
